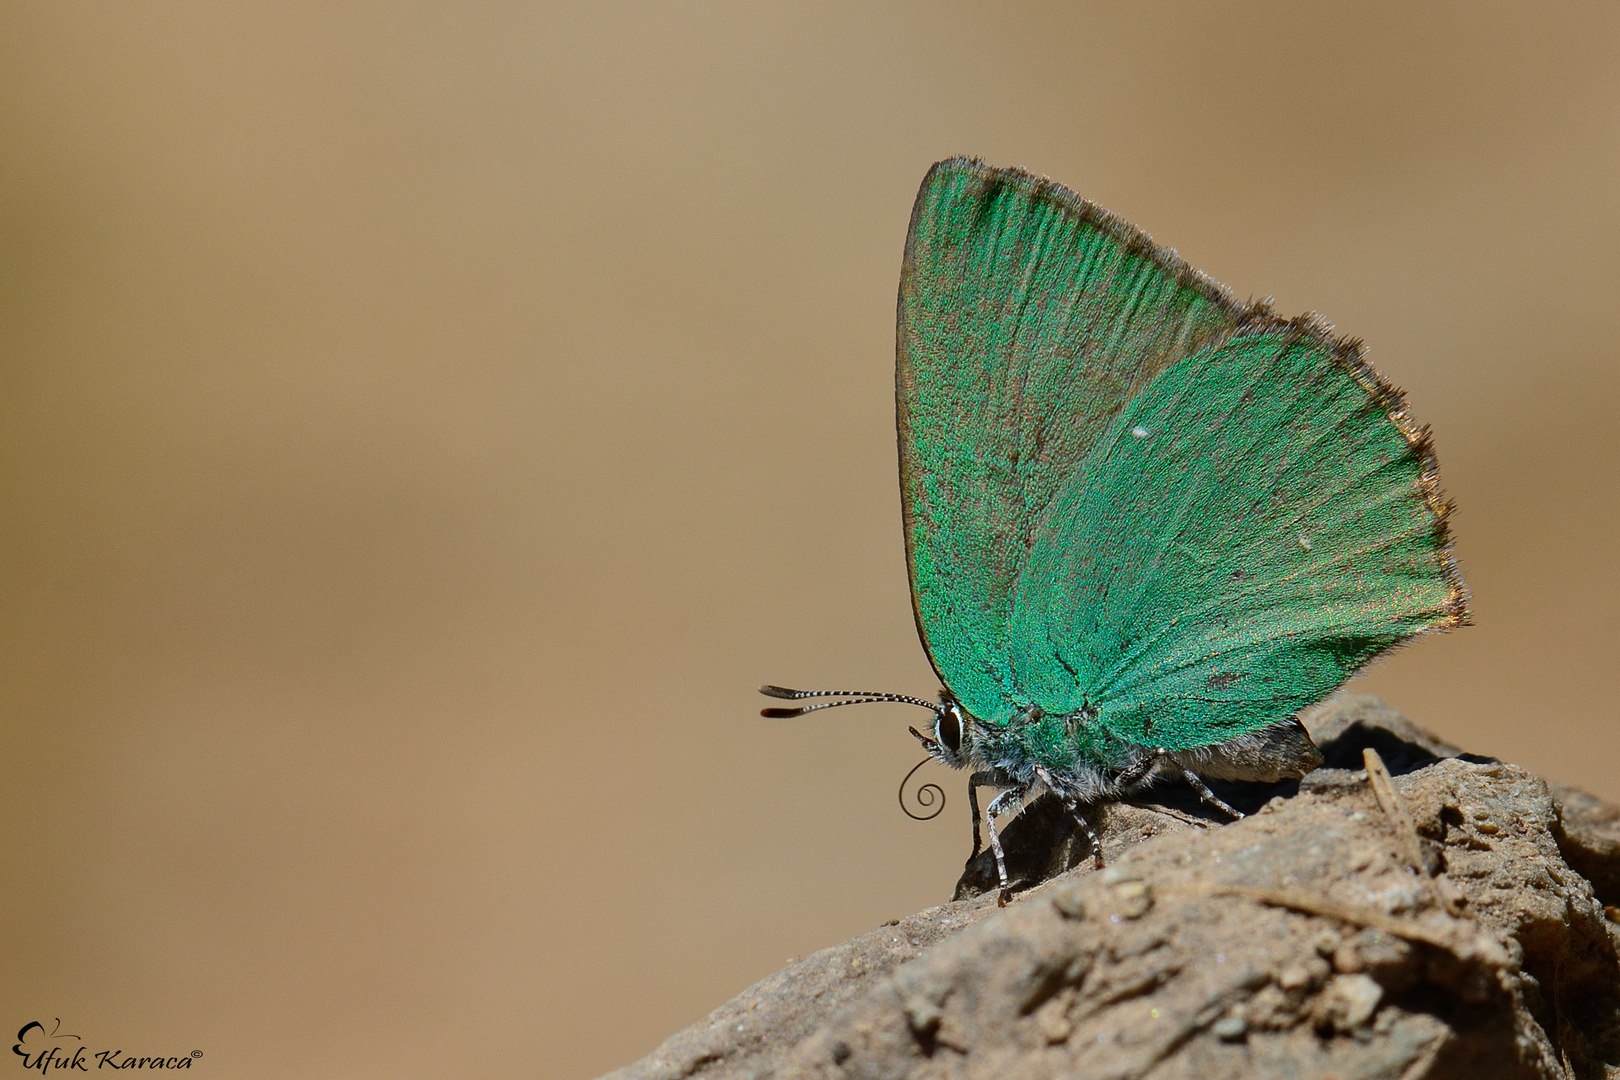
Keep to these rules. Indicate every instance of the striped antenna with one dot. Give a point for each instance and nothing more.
(852, 697)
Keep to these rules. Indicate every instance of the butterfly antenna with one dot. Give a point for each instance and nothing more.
(851, 697)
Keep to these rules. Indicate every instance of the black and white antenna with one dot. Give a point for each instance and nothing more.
(851, 697)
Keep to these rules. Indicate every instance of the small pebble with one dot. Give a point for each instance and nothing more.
(1069, 903)
(1134, 899)
(1350, 1001)
(1054, 1025)
(922, 1014)
(1230, 1028)
(1293, 977)
(1136, 908)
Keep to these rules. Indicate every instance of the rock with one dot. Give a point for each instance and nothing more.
(1297, 942)
(1348, 1002)
(749, 1034)
(1589, 837)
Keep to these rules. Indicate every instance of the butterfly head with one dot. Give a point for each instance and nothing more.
(952, 739)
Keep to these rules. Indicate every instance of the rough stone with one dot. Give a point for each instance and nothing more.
(1297, 942)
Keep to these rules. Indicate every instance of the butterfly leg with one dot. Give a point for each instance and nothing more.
(998, 805)
(975, 782)
(1138, 770)
(1073, 807)
(1091, 836)
(1207, 795)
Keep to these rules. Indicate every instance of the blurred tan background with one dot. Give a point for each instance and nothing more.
(425, 425)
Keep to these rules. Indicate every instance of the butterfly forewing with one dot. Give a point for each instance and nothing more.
(1027, 319)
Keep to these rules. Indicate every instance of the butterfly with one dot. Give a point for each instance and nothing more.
(1146, 523)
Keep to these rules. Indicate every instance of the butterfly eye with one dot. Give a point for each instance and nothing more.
(949, 730)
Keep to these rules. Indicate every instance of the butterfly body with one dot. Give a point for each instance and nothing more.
(1084, 763)
(1146, 524)
(1034, 742)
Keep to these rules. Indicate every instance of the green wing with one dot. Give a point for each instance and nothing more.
(1028, 317)
(1255, 525)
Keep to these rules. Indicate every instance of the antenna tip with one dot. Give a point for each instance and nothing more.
(780, 714)
(778, 692)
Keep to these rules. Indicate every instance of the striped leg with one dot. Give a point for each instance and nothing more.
(975, 782)
(999, 805)
(1207, 795)
(1072, 805)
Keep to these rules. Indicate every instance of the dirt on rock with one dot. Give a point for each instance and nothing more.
(1413, 912)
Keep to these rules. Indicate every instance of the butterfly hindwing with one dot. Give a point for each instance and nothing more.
(1255, 525)
(1028, 319)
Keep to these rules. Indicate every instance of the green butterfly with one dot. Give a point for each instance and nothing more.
(1146, 523)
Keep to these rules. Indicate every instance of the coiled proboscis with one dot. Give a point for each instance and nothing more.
(924, 796)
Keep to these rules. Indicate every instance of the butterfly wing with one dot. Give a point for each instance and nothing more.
(1255, 525)
(1028, 318)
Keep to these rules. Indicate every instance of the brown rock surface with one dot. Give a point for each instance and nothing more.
(1298, 942)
